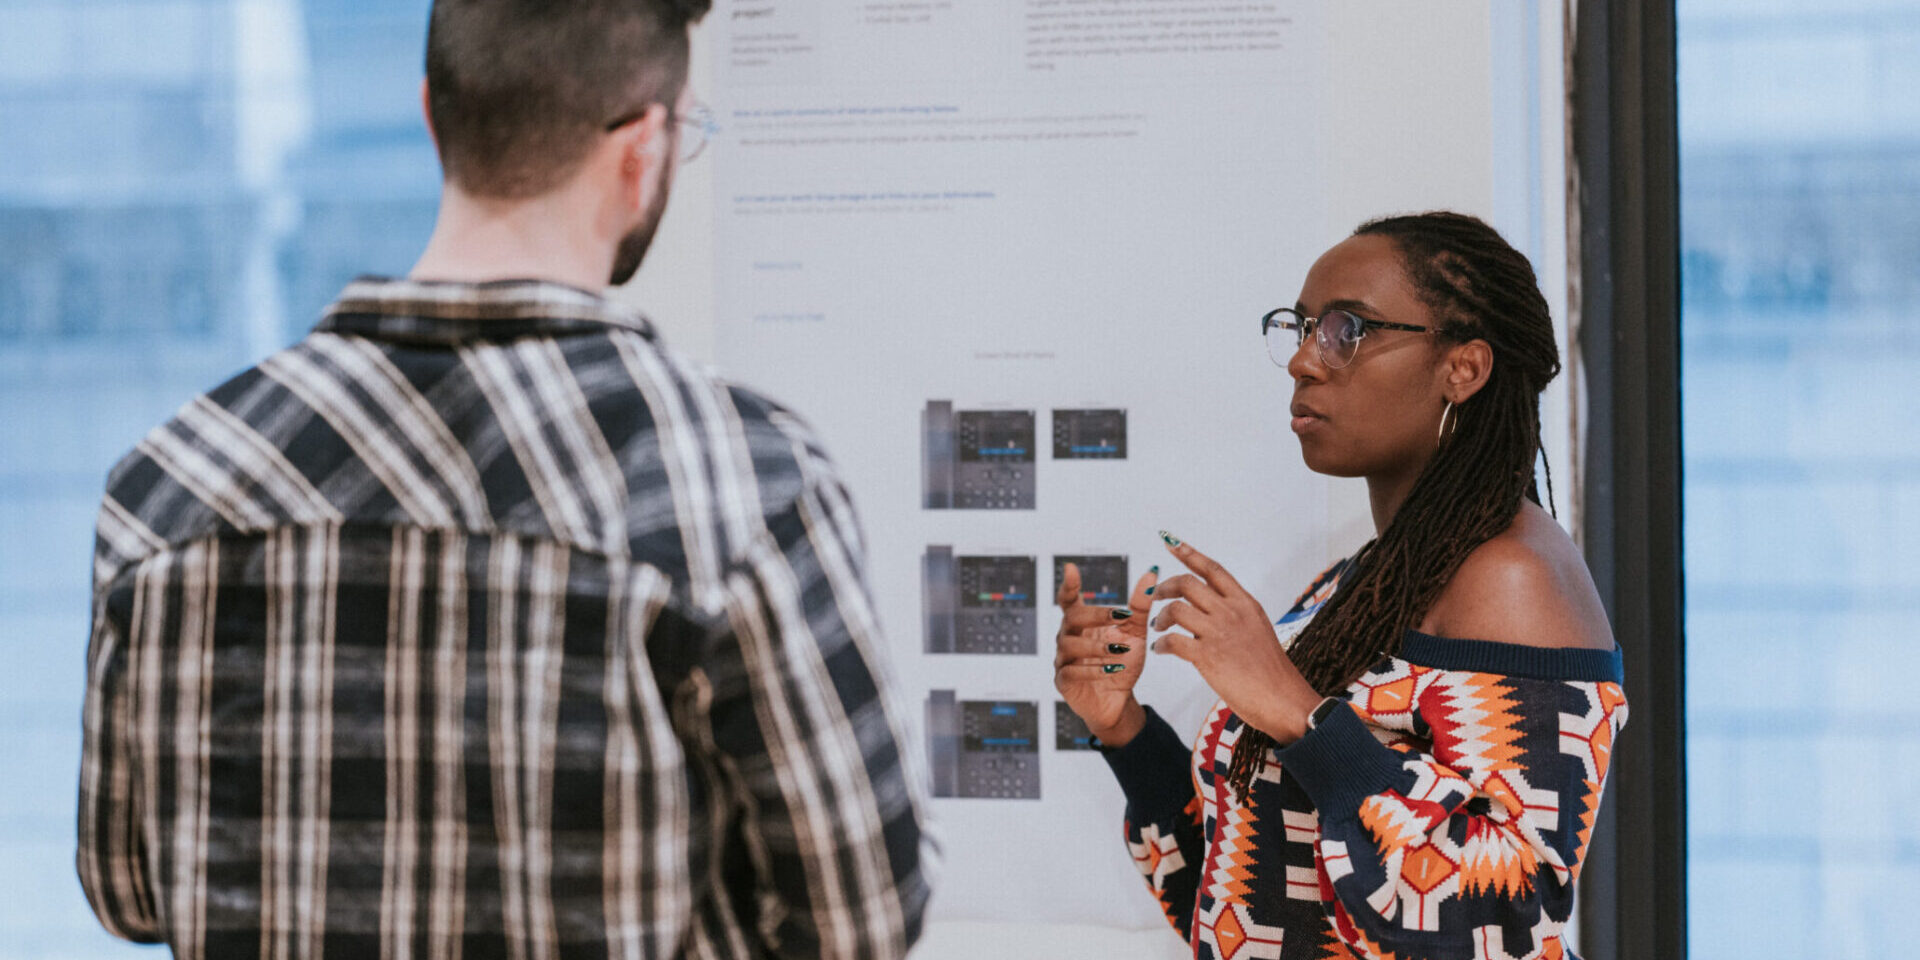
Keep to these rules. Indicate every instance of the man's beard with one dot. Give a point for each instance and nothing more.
(633, 246)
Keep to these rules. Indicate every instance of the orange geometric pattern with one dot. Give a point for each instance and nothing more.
(1589, 735)
(1391, 698)
(1474, 724)
(1233, 935)
(1229, 935)
(1426, 868)
(1156, 854)
(1591, 800)
(1490, 943)
(1493, 863)
(1335, 949)
(1235, 841)
(1365, 944)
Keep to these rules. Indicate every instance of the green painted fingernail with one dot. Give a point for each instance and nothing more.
(1117, 649)
(1122, 613)
(1154, 570)
(1113, 668)
(1150, 591)
(1172, 541)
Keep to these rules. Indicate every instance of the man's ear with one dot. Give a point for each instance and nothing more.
(426, 113)
(1467, 368)
(642, 145)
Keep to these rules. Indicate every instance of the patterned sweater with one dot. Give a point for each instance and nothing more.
(1445, 817)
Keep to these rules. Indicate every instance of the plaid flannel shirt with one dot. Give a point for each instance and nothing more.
(479, 624)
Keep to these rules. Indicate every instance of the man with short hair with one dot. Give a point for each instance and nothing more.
(478, 623)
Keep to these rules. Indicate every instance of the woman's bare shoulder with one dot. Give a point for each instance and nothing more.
(1529, 586)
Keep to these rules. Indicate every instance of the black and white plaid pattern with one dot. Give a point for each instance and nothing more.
(479, 624)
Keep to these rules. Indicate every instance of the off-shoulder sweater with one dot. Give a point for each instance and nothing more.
(1444, 817)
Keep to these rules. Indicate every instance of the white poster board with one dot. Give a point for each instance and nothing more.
(1018, 217)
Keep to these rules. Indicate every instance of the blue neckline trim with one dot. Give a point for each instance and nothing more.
(1514, 659)
(1300, 608)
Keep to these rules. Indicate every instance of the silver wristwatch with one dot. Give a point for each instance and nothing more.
(1323, 711)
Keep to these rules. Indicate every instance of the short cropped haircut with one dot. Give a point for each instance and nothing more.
(519, 90)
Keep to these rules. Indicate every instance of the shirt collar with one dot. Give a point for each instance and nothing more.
(450, 313)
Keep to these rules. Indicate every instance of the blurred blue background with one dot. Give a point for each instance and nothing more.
(1800, 383)
(184, 184)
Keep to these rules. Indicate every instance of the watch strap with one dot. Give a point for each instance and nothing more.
(1323, 711)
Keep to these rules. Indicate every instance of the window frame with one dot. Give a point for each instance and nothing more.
(1625, 150)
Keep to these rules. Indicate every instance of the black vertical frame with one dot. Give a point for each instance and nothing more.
(1626, 147)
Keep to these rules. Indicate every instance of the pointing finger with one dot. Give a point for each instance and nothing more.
(1191, 588)
(1177, 645)
(1178, 614)
(1213, 573)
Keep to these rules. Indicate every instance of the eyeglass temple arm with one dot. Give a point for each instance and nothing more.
(1386, 325)
(1272, 320)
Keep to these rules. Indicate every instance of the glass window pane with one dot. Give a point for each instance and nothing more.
(1800, 219)
(184, 184)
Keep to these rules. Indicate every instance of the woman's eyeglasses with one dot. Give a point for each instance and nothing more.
(1336, 334)
(693, 128)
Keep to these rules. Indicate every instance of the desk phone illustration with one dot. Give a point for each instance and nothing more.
(979, 604)
(983, 749)
(1069, 731)
(1099, 434)
(977, 459)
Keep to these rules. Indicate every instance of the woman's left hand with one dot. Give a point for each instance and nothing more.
(1233, 645)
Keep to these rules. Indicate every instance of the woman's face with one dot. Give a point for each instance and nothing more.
(1380, 414)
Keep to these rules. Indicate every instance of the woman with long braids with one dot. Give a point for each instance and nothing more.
(1408, 763)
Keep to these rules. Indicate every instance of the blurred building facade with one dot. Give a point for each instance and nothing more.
(1800, 226)
(184, 185)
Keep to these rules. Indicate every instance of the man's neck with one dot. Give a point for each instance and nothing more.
(550, 237)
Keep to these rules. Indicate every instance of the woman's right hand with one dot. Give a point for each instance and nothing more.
(1098, 655)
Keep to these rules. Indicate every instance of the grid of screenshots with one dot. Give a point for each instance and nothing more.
(989, 604)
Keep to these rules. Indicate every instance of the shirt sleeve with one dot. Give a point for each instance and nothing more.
(1469, 849)
(804, 717)
(1163, 824)
(112, 856)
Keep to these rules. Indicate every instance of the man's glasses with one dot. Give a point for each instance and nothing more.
(693, 128)
(1336, 334)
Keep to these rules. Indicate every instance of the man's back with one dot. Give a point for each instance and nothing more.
(477, 624)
